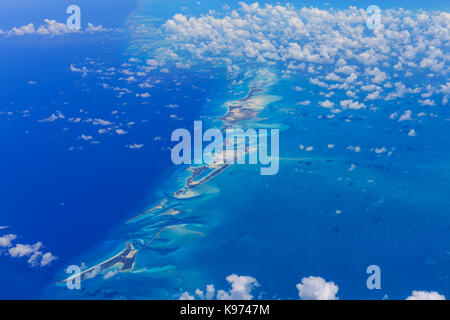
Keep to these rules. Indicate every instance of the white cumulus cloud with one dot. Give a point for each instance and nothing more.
(241, 289)
(425, 295)
(316, 288)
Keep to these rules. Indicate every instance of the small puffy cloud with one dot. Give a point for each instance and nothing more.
(153, 63)
(121, 131)
(303, 103)
(129, 79)
(6, 240)
(405, 116)
(425, 295)
(83, 70)
(380, 150)
(351, 78)
(350, 104)
(333, 77)
(94, 272)
(135, 146)
(53, 117)
(427, 102)
(372, 96)
(47, 258)
(241, 288)
(445, 88)
(370, 87)
(354, 148)
(210, 293)
(326, 104)
(101, 122)
(400, 90)
(318, 82)
(378, 75)
(91, 28)
(86, 137)
(186, 296)
(316, 288)
(345, 70)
